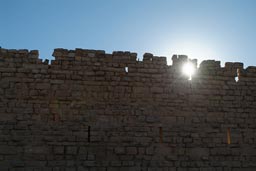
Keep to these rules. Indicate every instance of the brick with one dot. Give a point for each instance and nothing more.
(120, 150)
(157, 90)
(71, 150)
(131, 150)
(4, 149)
(58, 150)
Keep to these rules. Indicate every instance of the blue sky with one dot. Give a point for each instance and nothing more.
(205, 29)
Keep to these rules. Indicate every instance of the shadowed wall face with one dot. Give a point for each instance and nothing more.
(88, 110)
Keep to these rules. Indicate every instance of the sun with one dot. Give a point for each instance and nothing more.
(188, 69)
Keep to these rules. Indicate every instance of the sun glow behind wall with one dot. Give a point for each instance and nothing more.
(193, 49)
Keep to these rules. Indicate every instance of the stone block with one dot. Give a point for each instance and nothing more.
(157, 90)
(70, 169)
(120, 150)
(58, 150)
(152, 118)
(150, 150)
(4, 149)
(131, 150)
(71, 150)
(198, 153)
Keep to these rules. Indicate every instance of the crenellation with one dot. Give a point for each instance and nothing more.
(250, 69)
(159, 60)
(234, 69)
(60, 52)
(19, 56)
(90, 110)
(210, 64)
(147, 57)
(34, 54)
(178, 60)
(123, 57)
(234, 65)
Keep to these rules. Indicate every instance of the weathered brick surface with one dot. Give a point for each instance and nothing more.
(84, 111)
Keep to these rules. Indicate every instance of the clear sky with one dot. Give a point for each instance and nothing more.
(204, 29)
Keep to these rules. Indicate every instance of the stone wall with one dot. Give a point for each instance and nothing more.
(89, 110)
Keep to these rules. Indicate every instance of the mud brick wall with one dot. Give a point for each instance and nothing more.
(88, 110)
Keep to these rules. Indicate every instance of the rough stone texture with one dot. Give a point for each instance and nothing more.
(85, 112)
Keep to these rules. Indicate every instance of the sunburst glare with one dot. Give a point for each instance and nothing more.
(188, 69)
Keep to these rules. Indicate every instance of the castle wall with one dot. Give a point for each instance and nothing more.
(89, 110)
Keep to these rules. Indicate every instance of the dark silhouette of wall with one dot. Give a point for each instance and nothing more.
(84, 111)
